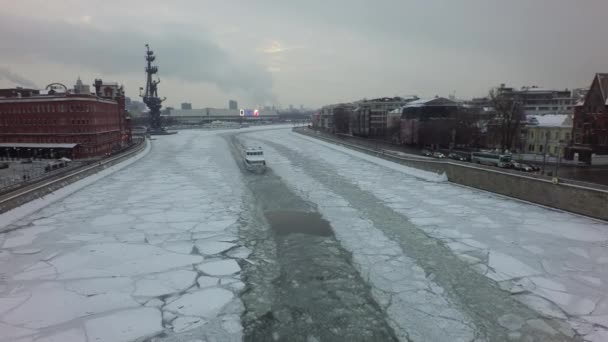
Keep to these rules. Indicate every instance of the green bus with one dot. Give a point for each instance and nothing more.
(492, 159)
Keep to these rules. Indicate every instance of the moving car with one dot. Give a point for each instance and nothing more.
(456, 156)
(522, 167)
(4, 165)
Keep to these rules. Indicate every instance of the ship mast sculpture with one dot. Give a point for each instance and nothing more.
(150, 97)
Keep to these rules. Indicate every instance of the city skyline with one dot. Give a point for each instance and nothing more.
(210, 52)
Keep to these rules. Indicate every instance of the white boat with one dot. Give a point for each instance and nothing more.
(254, 159)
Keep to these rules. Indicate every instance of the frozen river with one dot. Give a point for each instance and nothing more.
(327, 245)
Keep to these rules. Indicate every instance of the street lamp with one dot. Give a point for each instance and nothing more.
(559, 159)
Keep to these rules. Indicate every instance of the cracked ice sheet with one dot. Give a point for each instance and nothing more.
(415, 305)
(562, 247)
(81, 259)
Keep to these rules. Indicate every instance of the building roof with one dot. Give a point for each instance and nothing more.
(603, 81)
(551, 120)
(432, 101)
(55, 98)
(32, 145)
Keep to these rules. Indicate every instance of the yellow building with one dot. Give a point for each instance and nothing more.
(548, 134)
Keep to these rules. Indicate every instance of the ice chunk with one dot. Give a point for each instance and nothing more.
(571, 231)
(136, 237)
(539, 324)
(579, 251)
(213, 247)
(24, 236)
(592, 280)
(116, 259)
(8, 303)
(509, 266)
(112, 219)
(91, 287)
(205, 303)
(239, 253)
(155, 303)
(533, 249)
(40, 271)
(164, 283)
(237, 286)
(511, 322)
(124, 326)
(60, 305)
(598, 335)
(183, 323)
(423, 221)
(72, 335)
(232, 324)
(214, 225)
(204, 281)
(168, 316)
(220, 268)
(557, 293)
(541, 305)
(474, 243)
(27, 251)
(182, 247)
(9, 332)
(84, 236)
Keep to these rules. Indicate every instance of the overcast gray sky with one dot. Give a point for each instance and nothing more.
(310, 52)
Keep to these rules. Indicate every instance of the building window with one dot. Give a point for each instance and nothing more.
(556, 135)
(540, 148)
(531, 134)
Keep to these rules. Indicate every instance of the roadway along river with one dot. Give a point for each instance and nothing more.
(326, 245)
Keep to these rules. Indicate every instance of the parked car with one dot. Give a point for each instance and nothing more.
(438, 155)
(456, 156)
(427, 153)
(27, 161)
(4, 165)
(54, 165)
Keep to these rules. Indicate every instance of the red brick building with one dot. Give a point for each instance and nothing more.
(73, 124)
(590, 123)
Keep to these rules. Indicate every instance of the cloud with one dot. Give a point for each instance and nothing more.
(19, 80)
(275, 47)
(181, 53)
(86, 19)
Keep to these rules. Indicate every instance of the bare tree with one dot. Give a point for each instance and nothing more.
(509, 114)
